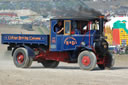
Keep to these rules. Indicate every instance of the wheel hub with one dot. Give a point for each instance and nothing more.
(20, 58)
(86, 60)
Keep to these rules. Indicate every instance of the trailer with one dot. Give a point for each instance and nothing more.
(81, 40)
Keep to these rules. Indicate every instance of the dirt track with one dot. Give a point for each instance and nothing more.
(65, 74)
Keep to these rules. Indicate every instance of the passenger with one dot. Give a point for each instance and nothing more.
(58, 28)
(75, 30)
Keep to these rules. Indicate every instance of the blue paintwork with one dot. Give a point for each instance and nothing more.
(53, 36)
(58, 42)
(77, 39)
(24, 39)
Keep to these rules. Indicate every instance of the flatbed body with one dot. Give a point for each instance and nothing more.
(25, 39)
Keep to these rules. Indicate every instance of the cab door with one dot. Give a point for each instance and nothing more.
(61, 38)
(57, 40)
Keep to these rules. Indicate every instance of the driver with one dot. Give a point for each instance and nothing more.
(58, 28)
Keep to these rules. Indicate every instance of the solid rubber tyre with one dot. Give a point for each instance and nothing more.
(89, 57)
(50, 63)
(26, 61)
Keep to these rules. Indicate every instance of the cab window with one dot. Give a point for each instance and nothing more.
(67, 27)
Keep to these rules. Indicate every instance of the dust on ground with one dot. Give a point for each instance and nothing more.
(64, 74)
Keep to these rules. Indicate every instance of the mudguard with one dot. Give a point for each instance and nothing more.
(30, 51)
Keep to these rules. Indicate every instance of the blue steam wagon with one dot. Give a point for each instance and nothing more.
(71, 40)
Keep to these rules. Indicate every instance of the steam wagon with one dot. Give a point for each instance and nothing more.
(71, 40)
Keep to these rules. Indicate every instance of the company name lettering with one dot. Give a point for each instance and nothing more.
(23, 38)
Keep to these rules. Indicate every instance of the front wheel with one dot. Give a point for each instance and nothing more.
(21, 58)
(50, 63)
(87, 60)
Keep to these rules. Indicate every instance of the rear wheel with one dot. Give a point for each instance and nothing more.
(87, 60)
(50, 63)
(108, 61)
(21, 58)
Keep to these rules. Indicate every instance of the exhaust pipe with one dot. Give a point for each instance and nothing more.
(101, 25)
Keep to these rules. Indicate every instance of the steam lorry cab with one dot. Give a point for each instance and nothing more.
(82, 42)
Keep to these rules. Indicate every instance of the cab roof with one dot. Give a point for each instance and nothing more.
(90, 18)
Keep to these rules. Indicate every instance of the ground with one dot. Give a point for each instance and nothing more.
(64, 74)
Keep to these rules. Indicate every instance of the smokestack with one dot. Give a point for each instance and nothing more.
(101, 24)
